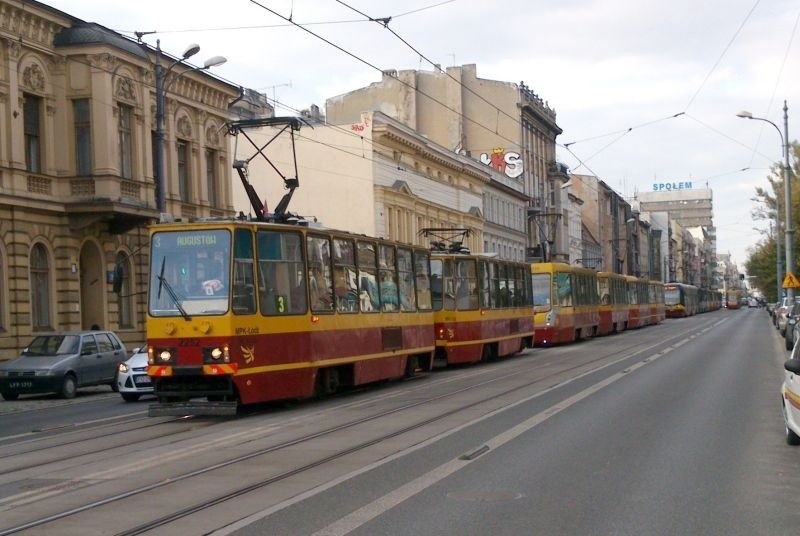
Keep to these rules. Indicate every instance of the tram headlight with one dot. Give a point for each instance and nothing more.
(160, 356)
(217, 354)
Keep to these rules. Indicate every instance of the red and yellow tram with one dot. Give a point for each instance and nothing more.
(565, 302)
(613, 309)
(247, 312)
(482, 307)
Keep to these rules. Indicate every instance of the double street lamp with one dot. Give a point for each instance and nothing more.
(161, 91)
(787, 184)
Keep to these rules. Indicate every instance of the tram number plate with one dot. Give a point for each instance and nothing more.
(141, 380)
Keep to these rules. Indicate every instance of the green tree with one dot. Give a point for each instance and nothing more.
(762, 259)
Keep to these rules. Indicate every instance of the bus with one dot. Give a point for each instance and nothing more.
(565, 302)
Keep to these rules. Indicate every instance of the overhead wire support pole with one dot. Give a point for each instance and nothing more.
(787, 193)
(787, 179)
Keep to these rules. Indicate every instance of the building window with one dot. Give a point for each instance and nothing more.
(211, 177)
(83, 137)
(183, 170)
(125, 142)
(40, 288)
(124, 297)
(31, 111)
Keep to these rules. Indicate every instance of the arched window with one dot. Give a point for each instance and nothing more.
(124, 297)
(40, 289)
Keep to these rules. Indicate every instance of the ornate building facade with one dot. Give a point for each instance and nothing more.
(77, 187)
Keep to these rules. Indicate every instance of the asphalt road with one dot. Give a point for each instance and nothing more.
(689, 441)
(671, 429)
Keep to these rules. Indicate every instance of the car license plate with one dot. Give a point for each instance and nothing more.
(142, 380)
(20, 385)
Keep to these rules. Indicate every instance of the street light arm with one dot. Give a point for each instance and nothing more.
(747, 115)
(209, 63)
(161, 92)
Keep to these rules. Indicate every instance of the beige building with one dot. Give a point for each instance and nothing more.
(695, 259)
(374, 176)
(77, 123)
(503, 125)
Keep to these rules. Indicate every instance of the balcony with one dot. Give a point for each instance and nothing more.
(120, 203)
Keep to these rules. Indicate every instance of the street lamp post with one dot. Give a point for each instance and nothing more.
(161, 91)
(787, 192)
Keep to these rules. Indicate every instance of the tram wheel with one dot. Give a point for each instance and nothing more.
(412, 364)
(328, 381)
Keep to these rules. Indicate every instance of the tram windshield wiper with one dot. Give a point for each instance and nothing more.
(162, 282)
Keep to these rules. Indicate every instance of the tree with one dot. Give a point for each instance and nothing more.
(762, 259)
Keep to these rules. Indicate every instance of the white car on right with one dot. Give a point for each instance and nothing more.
(132, 378)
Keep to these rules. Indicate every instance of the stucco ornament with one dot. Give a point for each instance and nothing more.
(33, 77)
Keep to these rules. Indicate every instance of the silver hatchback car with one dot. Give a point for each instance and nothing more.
(62, 362)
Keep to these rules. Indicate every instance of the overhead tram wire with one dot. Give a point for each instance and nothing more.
(722, 55)
(777, 82)
(384, 21)
(368, 64)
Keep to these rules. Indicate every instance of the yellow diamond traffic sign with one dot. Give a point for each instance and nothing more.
(790, 281)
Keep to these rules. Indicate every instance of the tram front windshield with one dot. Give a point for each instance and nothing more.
(190, 272)
(672, 296)
(541, 291)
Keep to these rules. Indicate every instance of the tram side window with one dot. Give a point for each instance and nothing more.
(563, 289)
(484, 284)
(344, 276)
(405, 280)
(633, 295)
(603, 284)
(511, 285)
(523, 295)
(466, 284)
(281, 279)
(437, 284)
(422, 277)
(503, 292)
(320, 284)
(448, 285)
(388, 273)
(368, 297)
(494, 277)
(244, 293)
(587, 294)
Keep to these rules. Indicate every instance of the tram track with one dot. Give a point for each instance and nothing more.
(584, 367)
(130, 426)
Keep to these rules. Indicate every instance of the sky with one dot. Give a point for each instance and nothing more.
(645, 91)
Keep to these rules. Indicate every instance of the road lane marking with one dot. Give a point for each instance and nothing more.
(363, 515)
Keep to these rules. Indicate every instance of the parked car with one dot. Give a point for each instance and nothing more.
(61, 363)
(791, 330)
(132, 378)
(790, 391)
(781, 315)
